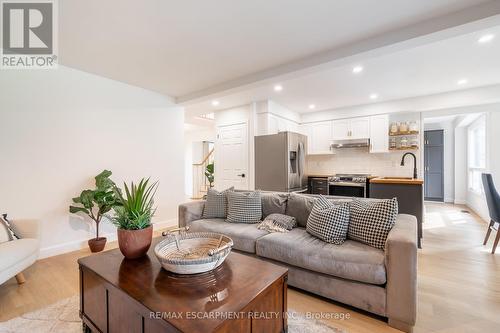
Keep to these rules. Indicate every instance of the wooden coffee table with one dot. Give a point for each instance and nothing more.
(244, 294)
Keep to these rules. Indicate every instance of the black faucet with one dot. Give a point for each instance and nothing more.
(414, 163)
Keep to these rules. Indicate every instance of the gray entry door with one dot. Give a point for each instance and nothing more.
(434, 165)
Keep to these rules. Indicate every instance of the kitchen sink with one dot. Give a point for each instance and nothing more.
(397, 178)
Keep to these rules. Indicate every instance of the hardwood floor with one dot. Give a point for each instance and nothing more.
(458, 281)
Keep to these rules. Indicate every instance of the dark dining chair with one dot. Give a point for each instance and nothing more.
(493, 201)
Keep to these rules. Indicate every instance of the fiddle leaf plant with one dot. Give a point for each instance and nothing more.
(97, 202)
(210, 174)
(135, 210)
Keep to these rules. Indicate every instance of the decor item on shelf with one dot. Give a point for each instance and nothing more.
(404, 142)
(394, 128)
(95, 204)
(392, 143)
(192, 253)
(414, 142)
(133, 218)
(210, 174)
(403, 127)
(413, 126)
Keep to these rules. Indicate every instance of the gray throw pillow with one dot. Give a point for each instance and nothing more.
(329, 222)
(274, 203)
(371, 221)
(6, 231)
(216, 204)
(244, 207)
(278, 223)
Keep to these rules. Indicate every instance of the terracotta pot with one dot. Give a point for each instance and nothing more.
(135, 243)
(97, 244)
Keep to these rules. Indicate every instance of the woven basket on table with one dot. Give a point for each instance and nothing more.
(193, 253)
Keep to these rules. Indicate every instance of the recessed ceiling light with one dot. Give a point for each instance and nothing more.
(373, 96)
(312, 106)
(357, 69)
(278, 88)
(215, 103)
(462, 82)
(486, 38)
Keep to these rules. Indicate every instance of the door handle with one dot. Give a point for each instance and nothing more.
(241, 175)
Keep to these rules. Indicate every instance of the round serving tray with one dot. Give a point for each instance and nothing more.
(192, 253)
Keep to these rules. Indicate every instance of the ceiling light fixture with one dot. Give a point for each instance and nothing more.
(357, 69)
(462, 82)
(373, 96)
(215, 103)
(486, 38)
(312, 106)
(278, 88)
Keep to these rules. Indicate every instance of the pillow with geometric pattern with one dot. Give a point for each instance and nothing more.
(371, 221)
(216, 204)
(6, 232)
(328, 221)
(244, 207)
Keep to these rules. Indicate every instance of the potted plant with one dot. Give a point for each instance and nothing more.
(210, 174)
(95, 204)
(133, 215)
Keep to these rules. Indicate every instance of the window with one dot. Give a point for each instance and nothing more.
(476, 154)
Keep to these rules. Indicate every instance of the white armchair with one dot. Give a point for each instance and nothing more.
(19, 254)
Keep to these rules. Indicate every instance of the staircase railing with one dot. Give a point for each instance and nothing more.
(200, 181)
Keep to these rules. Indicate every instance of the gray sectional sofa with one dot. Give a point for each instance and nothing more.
(382, 282)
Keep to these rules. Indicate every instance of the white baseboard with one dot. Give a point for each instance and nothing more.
(76, 245)
(460, 202)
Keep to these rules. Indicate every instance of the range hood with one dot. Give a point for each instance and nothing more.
(343, 144)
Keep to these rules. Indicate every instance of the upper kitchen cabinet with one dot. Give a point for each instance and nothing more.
(319, 137)
(354, 128)
(379, 134)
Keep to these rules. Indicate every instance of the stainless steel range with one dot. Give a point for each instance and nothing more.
(349, 185)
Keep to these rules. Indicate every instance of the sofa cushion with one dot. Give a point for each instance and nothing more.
(329, 222)
(351, 260)
(16, 251)
(243, 235)
(244, 207)
(274, 203)
(216, 204)
(371, 222)
(299, 206)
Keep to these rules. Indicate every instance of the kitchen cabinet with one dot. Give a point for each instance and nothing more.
(354, 128)
(319, 137)
(379, 134)
(271, 124)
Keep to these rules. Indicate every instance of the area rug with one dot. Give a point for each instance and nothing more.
(62, 317)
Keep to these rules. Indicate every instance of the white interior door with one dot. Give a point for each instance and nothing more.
(231, 165)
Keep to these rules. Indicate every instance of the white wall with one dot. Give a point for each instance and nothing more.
(59, 128)
(449, 156)
(272, 118)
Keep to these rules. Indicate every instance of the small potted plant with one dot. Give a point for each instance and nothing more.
(133, 215)
(210, 174)
(95, 204)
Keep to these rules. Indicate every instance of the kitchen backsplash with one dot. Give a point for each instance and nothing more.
(360, 161)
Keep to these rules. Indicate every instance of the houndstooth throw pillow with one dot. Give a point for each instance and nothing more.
(328, 222)
(216, 204)
(371, 221)
(278, 223)
(244, 207)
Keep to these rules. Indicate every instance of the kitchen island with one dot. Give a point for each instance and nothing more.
(409, 192)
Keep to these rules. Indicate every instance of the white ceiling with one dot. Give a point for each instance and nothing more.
(181, 47)
(424, 70)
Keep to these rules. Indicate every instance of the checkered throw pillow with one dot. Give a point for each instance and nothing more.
(8, 234)
(244, 207)
(371, 221)
(328, 222)
(216, 204)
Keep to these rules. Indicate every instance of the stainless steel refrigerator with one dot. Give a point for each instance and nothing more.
(280, 161)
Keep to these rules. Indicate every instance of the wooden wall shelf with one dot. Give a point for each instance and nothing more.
(403, 148)
(404, 133)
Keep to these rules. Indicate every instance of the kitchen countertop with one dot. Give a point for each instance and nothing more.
(318, 176)
(396, 180)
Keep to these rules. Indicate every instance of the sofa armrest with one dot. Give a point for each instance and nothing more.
(190, 211)
(401, 267)
(26, 228)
